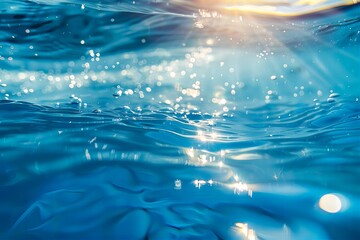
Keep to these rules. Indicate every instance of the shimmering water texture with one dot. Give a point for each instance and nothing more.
(179, 119)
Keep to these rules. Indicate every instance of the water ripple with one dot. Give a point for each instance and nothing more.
(40, 30)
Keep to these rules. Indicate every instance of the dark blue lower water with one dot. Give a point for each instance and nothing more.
(178, 120)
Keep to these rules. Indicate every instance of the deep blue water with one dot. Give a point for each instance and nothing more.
(173, 119)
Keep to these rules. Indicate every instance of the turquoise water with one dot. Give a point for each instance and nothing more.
(179, 119)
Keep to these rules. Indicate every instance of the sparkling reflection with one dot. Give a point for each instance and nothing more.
(177, 184)
(229, 179)
(204, 158)
(247, 232)
(199, 183)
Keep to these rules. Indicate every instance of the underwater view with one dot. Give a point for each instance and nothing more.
(180, 119)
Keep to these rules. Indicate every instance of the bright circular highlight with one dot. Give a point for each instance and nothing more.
(330, 203)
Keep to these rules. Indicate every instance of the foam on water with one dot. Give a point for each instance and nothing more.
(179, 120)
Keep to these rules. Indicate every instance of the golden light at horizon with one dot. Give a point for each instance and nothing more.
(286, 8)
(268, 2)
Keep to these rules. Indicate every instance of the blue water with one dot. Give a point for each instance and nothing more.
(173, 119)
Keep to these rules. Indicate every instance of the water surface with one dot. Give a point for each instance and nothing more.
(179, 119)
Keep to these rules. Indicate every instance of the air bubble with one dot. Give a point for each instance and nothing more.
(334, 95)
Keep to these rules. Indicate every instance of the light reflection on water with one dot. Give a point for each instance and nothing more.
(179, 120)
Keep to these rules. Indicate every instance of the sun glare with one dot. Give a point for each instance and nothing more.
(268, 7)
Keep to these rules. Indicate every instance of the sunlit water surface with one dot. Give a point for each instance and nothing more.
(179, 120)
